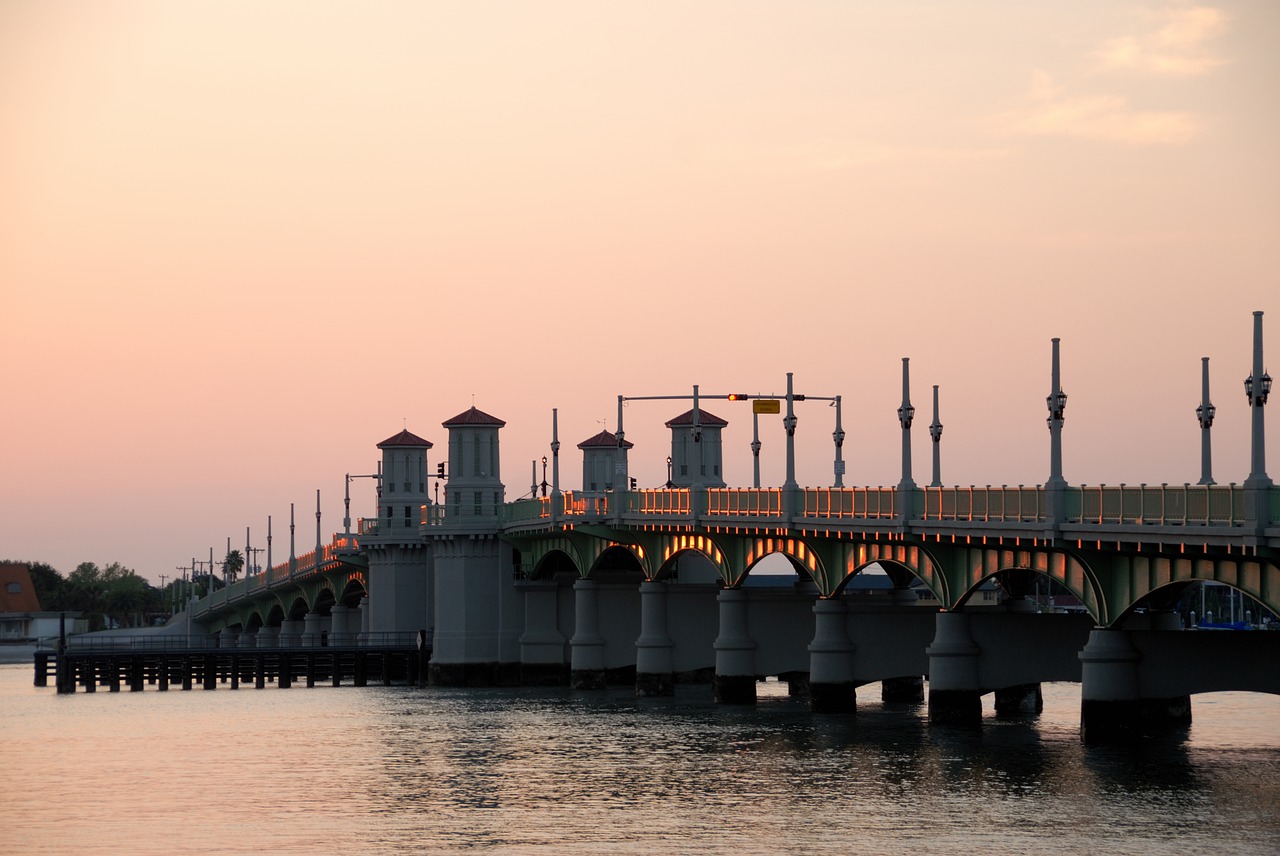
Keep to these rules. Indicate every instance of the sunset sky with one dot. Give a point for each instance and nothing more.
(243, 242)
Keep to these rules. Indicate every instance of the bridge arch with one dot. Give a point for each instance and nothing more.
(1137, 581)
(804, 559)
(672, 545)
(970, 566)
(855, 557)
(554, 563)
(618, 557)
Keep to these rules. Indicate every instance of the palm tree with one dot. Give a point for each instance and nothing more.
(232, 565)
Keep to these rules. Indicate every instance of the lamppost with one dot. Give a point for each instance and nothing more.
(906, 413)
(670, 484)
(544, 476)
(346, 499)
(935, 433)
(1204, 414)
(1257, 386)
(1056, 401)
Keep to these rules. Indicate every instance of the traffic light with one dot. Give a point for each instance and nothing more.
(738, 396)
(440, 470)
(633, 482)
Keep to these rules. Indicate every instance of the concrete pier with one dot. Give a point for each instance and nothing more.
(586, 667)
(735, 679)
(832, 688)
(655, 661)
(955, 695)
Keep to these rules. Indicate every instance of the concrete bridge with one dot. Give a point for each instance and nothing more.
(656, 586)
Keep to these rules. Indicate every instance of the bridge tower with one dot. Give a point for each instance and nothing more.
(478, 611)
(475, 482)
(399, 563)
(697, 456)
(603, 461)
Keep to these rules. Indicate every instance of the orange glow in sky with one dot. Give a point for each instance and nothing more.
(241, 243)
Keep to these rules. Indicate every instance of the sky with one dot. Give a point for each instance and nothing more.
(241, 243)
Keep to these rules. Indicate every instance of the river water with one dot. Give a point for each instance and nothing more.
(401, 769)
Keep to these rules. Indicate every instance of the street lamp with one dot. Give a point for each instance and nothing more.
(544, 475)
(1264, 390)
(670, 484)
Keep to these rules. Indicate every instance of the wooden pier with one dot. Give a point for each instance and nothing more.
(209, 668)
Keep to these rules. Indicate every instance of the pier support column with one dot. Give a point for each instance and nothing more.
(1112, 709)
(313, 624)
(655, 659)
(586, 659)
(229, 637)
(542, 644)
(955, 697)
(340, 633)
(831, 685)
(735, 679)
(268, 637)
(290, 633)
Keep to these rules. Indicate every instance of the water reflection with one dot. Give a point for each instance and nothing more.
(412, 769)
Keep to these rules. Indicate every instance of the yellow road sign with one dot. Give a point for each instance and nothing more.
(766, 405)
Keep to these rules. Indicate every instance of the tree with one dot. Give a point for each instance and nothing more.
(125, 594)
(232, 565)
(86, 593)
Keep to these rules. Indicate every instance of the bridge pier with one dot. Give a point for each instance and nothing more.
(832, 688)
(735, 678)
(290, 633)
(955, 695)
(267, 637)
(586, 657)
(541, 644)
(313, 626)
(1112, 708)
(228, 637)
(340, 632)
(655, 650)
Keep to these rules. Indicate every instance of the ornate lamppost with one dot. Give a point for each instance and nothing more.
(1204, 414)
(935, 433)
(906, 413)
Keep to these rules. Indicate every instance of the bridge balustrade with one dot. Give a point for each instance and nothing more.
(523, 510)
(974, 503)
(657, 501)
(744, 502)
(857, 502)
(1205, 505)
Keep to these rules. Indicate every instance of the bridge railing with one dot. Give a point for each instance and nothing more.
(857, 502)
(672, 502)
(1167, 505)
(1001, 504)
(744, 502)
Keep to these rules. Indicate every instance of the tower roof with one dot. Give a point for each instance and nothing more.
(405, 438)
(706, 419)
(473, 417)
(605, 439)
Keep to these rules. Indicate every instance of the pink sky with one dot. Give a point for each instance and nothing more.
(243, 242)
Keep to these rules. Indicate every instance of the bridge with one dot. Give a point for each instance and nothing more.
(655, 586)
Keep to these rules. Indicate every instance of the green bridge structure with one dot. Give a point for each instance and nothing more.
(655, 587)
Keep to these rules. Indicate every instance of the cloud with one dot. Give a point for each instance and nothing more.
(1052, 111)
(1176, 48)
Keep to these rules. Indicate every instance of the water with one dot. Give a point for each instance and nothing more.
(387, 770)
